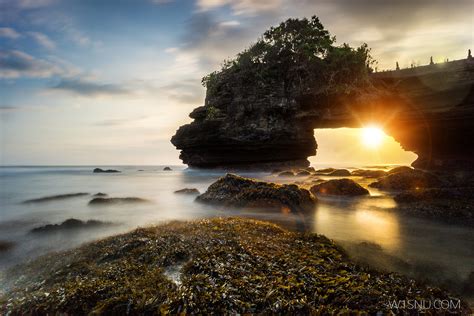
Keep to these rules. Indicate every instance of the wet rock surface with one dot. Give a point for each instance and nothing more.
(55, 198)
(236, 191)
(69, 224)
(232, 266)
(369, 173)
(408, 180)
(98, 201)
(345, 187)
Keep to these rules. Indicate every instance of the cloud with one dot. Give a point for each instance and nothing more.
(188, 91)
(9, 33)
(89, 88)
(119, 121)
(15, 64)
(43, 40)
(241, 7)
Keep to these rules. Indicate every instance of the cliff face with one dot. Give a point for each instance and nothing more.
(429, 110)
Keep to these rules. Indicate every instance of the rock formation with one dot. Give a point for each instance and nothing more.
(262, 108)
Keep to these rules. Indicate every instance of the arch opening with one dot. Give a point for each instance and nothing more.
(358, 147)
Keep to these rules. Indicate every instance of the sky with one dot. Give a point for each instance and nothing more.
(107, 82)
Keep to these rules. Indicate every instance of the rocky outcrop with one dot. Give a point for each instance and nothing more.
(69, 224)
(111, 201)
(100, 170)
(345, 187)
(55, 198)
(430, 111)
(189, 191)
(236, 191)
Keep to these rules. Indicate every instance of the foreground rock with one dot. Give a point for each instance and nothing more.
(407, 180)
(190, 191)
(233, 266)
(236, 191)
(345, 187)
(99, 170)
(69, 224)
(111, 201)
(55, 198)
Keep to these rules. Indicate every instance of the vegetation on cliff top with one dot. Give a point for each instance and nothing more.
(221, 266)
(300, 56)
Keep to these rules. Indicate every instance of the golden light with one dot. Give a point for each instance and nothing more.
(372, 136)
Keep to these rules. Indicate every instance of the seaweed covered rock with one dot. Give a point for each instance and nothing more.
(225, 266)
(407, 180)
(233, 190)
(69, 224)
(346, 187)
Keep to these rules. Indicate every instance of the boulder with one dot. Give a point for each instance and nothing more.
(69, 224)
(303, 173)
(400, 169)
(167, 169)
(233, 190)
(369, 173)
(339, 173)
(109, 201)
(346, 187)
(407, 180)
(99, 170)
(324, 171)
(188, 191)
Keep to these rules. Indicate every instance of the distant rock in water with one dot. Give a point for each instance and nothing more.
(69, 224)
(188, 191)
(346, 187)
(6, 245)
(339, 173)
(99, 170)
(55, 197)
(109, 201)
(408, 180)
(369, 173)
(167, 169)
(303, 173)
(236, 191)
(100, 194)
(286, 174)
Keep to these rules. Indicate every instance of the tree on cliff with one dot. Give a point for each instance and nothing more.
(299, 57)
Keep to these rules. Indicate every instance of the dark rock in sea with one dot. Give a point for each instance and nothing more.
(167, 169)
(233, 266)
(55, 197)
(140, 170)
(369, 173)
(339, 173)
(6, 245)
(69, 224)
(431, 194)
(110, 201)
(303, 173)
(286, 174)
(99, 170)
(345, 187)
(236, 191)
(311, 169)
(408, 180)
(324, 171)
(188, 191)
(399, 169)
(100, 194)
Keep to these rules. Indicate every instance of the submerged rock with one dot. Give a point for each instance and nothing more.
(69, 224)
(233, 266)
(188, 191)
(407, 180)
(55, 197)
(286, 174)
(233, 190)
(109, 201)
(99, 170)
(6, 245)
(303, 173)
(339, 187)
(369, 173)
(325, 171)
(167, 169)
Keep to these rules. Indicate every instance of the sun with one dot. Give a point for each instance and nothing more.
(372, 136)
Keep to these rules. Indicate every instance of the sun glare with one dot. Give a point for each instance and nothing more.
(372, 136)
